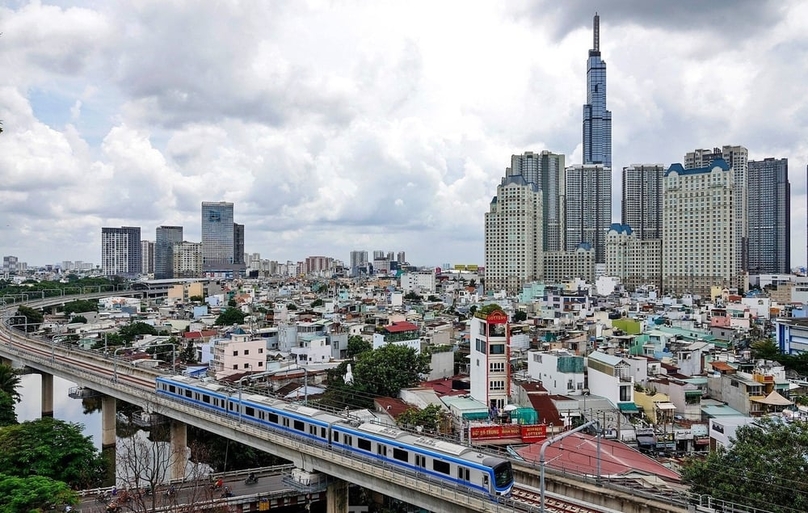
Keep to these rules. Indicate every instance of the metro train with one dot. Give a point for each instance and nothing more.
(454, 464)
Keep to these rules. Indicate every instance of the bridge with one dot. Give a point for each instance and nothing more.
(118, 380)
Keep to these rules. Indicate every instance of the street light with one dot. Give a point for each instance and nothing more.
(115, 363)
(553, 440)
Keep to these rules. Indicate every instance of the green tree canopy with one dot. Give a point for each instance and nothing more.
(230, 316)
(317, 302)
(8, 415)
(27, 318)
(388, 369)
(51, 448)
(413, 296)
(10, 381)
(519, 316)
(358, 345)
(765, 468)
(196, 299)
(428, 418)
(131, 331)
(34, 493)
(80, 306)
(78, 318)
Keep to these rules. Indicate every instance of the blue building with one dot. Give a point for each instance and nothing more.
(597, 126)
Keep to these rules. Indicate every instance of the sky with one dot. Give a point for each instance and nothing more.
(336, 125)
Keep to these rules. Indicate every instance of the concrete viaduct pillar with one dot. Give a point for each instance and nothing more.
(108, 436)
(179, 442)
(47, 395)
(336, 497)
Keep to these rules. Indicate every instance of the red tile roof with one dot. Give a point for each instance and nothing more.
(578, 453)
(399, 327)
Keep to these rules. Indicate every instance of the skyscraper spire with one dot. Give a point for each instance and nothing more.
(596, 34)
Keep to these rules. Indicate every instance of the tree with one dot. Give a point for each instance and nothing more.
(196, 299)
(9, 382)
(428, 418)
(413, 296)
(764, 468)
(388, 369)
(765, 349)
(135, 329)
(35, 493)
(78, 318)
(80, 306)
(230, 316)
(188, 354)
(317, 302)
(8, 416)
(519, 316)
(51, 448)
(358, 345)
(27, 318)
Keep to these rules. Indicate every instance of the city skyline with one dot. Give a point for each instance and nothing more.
(364, 126)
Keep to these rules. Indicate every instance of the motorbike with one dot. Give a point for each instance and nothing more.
(251, 479)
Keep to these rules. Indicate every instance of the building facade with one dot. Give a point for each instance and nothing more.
(222, 240)
(769, 217)
(546, 170)
(147, 256)
(121, 251)
(187, 261)
(698, 239)
(642, 200)
(513, 236)
(359, 262)
(737, 157)
(165, 238)
(489, 360)
(597, 121)
(588, 207)
(635, 261)
(564, 266)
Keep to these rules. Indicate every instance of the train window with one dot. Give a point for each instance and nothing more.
(188, 393)
(363, 444)
(313, 430)
(300, 426)
(463, 473)
(336, 436)
(272, 418)
(401, 454)
(262, 415)
(285, 422)
(348, 439)
(172, 389)
(249, 411)
(381, 450)
(323, 433)
(420, 461)
(206, 399)
(441, 466)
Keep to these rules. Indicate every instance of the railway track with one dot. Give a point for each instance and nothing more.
(532, 498)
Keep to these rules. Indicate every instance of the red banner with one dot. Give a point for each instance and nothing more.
(497, 317)
(527, 433)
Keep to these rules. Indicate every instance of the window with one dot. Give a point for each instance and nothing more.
(497, 367)
(497, 349)
(260, 350)
(246, 352)
(299, 425)
(272, 418)
(441, 466)
(235, 366)
(235, 353)
(246, 365)
(400, 454)
(363, 444)
(249, 411)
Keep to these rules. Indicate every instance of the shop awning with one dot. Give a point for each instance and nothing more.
(646, 440)
(628, 407)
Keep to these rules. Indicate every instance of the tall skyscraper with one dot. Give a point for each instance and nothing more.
(597, 127)
(737, 157)
(698, 235)
(642, 200)
(165, 238)
(588, 207)
(187, 259)
(546, 171)
(769, 217)
(359, 260)
(121, 251)
(221, 239)
(513, 235)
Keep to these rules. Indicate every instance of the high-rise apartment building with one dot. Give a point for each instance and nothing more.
(588, 207)
(147, 256)
(635, 261)
(222, 240)
(769, 217)
(121, 251)
(187, 259)
(698, 229)
(597, 125)
(642, 200)
(513, 236)
(165, 238)
(546, 171)
(737, 157)
(401, 257)
(359, 260)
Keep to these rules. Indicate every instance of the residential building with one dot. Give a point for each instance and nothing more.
(12, 265)
(635, 261)
(187, 260)
(698, 239)
(165, 238)
(642, 200)
(546, 170)
(513, 235)
(597, 120)
(588, 207)
(239, 353)
(419, 282)
(121, 251)
(318, 265)
(222, 241)
(402, 333)
(769, 217)
(147, 256)
(559, 372)
(359, 262)
(563, 266)
(610, 377)
(737, 157)
(489, 360)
